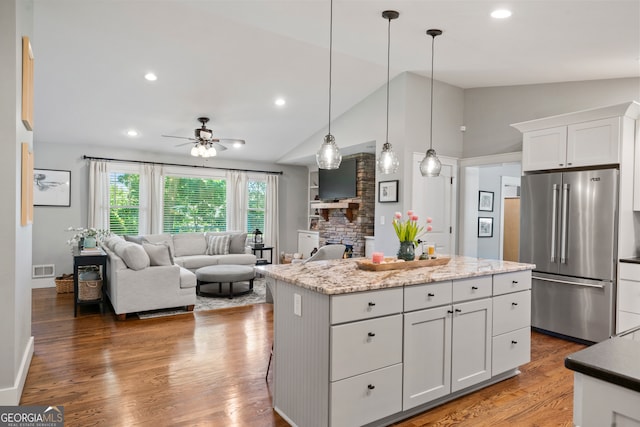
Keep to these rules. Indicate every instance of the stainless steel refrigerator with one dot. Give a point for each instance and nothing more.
(568, 229)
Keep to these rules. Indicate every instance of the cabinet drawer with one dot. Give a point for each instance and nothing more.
(629, 296)
(629, 271)
(511, 350)
(365, 398)
(363, 346)
(511, 312)
(417, 297)
(365, 305)
(472, 288)
(511, 282)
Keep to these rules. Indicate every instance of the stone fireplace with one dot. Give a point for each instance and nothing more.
(337, 228)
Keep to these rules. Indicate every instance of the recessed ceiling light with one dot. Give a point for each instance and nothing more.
(132, 132)
(501, 13)
(151, 77)
(280, 102)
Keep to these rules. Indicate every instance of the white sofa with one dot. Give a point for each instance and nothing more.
(157, 271)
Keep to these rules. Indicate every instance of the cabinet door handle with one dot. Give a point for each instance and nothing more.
(458, 310)
(475, 288)
(371, 334)
(449, 311)
(371, 386)
(514, 303)
(514, 342)
(431, 295)
(371, 304)
(515, 282)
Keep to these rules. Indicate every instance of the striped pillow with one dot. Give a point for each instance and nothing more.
(218, 245)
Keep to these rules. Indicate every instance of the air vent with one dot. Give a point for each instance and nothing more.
(43, 270)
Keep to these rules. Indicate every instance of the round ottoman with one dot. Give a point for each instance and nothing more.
(225, 274)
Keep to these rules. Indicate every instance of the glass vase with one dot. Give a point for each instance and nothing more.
(407, 251)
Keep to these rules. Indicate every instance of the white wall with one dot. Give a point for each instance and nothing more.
(50, 223)
(409, 110)
(16, 346)
(489, 112)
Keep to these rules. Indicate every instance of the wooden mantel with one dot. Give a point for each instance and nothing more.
(350, 206)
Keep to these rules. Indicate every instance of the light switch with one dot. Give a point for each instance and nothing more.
(381, 219)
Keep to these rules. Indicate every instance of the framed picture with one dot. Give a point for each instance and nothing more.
(485, 201)
(388, 191)
(485, 227)
(313, 224)
(51, 187)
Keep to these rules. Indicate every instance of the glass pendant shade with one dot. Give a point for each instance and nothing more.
(430, 166)
(328, 156)
(194, 151)
(388, 160)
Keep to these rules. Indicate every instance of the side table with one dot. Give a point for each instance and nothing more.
(261, 260)
(79, 260)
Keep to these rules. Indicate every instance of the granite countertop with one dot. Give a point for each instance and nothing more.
(635, 260)
(343, 276)
(614, 360)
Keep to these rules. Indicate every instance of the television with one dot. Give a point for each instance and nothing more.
(336, 184)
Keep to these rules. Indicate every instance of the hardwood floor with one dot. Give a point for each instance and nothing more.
(207, 369)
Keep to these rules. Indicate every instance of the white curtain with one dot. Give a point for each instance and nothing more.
(151, 199)
(236, 200)
(98, 195)
(271, 216)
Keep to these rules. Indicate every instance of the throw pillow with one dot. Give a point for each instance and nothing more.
(189, 244)
(133, 255)
(159, 254)
(135, 239)
(218, 245)
(238, 243)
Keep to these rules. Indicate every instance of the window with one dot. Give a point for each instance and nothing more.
(194, 204)
(124, 202)
(256, 202)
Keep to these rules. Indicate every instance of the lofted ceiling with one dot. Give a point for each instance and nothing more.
(230, 60)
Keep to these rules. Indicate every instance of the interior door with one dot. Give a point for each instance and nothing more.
(435, 198)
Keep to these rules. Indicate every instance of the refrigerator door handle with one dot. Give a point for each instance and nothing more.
(563, 238)
(554, 225)
(587, 285)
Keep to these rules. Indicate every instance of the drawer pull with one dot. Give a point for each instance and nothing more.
(514, 303)
(371, 334)
(475, 288)
(431, 295)
(372, 304)
(449, 311)
(514, 342)
(515, 282)
(458, 310)
(371, 386)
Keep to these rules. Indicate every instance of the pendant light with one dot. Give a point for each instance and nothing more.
(430, 165)
(328, 156)
(388, 160)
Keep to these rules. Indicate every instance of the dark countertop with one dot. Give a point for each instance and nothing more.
(614, 360)
(635, 260)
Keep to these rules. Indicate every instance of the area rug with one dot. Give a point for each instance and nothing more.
(209, 303)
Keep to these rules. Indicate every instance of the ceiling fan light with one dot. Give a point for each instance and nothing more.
(211, 152)
(430, 166)
(328, 156)
(194, 151)
(237, 144)
(388, 160)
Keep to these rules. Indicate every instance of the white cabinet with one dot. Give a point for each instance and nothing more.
(598, 403)
(446, 348)
(307, 242)
(628, 315)
(313, 216)
(596, 142)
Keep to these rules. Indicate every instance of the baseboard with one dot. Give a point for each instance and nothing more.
(45, 282)
(11, 396)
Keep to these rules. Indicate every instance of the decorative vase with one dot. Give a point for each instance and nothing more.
(407, 251)
(89, 242)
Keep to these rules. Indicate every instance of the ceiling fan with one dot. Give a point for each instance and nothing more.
(204, 144)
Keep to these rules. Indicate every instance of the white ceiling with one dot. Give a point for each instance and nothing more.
(229, 60)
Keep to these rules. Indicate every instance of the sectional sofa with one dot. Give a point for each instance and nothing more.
(157, 271)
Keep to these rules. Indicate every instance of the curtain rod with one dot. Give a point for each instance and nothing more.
(177, 164)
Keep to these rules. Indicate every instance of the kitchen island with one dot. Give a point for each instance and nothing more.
(355, 347)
